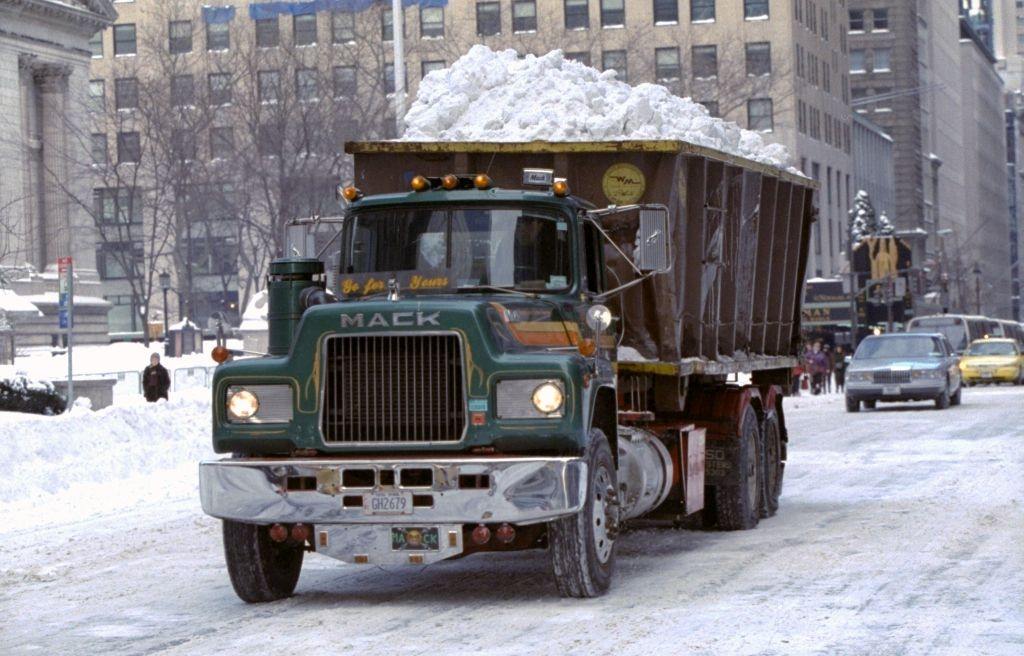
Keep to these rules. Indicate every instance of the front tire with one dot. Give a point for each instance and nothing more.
(582, 546)
(942, 400)
(852, 405)
(955, 399)
(261, 570)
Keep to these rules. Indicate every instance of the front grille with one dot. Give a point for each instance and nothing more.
(892, 377)
(393, 389)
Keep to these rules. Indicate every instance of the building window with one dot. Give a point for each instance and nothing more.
(129, 148)
(343, 27)
(711, 106)
(582, 57)
(97, 93)
(615, 60)
(883, 103)
(124, 39)
(269, 139)
(613, 13)
(117, 206)
(220, 88)
(306, 84)
(126, 93)
(96, 44)
(183, 91)
(304, 29)
(179, 37)
(759, 114)
(118, 260)
(755, 9)
(705, 62)
(344, 81)
(702, 11)
(759, 58)
(217, 36)
(881, 60)
(857, 64)
(488, 18)
(524, 16)
(577, 14)
(183, 146)
(666, 64)
(880, 20)
(431, 22)
(666, 11)
(268, 33)
(856, 20)
(98, 149)
(268, 86)
(222, 143)
(431, 66)
(389, 78)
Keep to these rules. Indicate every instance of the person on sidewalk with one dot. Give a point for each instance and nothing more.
(155, 380)
(840, 369)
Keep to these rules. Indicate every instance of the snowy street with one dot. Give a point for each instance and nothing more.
(900, 532)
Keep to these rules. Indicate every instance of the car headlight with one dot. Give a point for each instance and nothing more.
(259, 404)
(859, 376)
(548, 398)
(929, 373)
(529, 399)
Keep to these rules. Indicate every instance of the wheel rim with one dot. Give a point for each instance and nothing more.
(752, 472)
(600, 508)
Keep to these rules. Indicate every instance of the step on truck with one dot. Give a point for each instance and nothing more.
(515, 346)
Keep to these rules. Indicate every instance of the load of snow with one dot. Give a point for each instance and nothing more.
(181, 325)
(84, 458)
(500, 96)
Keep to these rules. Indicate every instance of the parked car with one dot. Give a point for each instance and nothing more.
(903, 367)
(995, 360)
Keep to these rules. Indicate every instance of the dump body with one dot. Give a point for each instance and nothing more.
(740, 235)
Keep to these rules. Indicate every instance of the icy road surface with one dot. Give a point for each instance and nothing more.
(901, 532)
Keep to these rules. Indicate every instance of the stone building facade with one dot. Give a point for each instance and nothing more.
(44, 72)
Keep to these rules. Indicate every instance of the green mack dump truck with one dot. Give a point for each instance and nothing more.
(500, 365)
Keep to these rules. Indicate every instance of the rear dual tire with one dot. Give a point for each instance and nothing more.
(739, 507)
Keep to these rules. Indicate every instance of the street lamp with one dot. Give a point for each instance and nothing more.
(165, 285)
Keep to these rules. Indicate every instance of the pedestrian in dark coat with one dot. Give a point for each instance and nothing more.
(155, 380)
(840, 368)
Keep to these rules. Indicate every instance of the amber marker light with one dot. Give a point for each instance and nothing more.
(419, 183)
(450, 182)
(482, 181)
(220, 354)
(560, 188)
(351, 193)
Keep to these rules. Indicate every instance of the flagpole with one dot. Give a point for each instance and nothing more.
(398, 38)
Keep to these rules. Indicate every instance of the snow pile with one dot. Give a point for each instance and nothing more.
(96, 460)
(863, 221)
(498, 96)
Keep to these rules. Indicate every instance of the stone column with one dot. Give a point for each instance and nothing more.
(52, 84)
(31, 139)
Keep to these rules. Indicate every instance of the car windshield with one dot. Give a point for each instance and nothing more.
(953, 328)
(877, 348)
(992, 348)
(511, 247)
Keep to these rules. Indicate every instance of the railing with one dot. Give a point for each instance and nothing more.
(130, 382)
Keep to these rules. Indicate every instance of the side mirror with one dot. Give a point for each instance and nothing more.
(652, 253)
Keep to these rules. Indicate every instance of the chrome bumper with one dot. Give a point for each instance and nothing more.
(318, 491)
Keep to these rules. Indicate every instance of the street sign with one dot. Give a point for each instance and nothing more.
(66, 314)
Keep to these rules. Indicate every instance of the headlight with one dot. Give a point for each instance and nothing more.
(548, 398)
(259, 404)
(243, 404)
(529, 398)
(859, 376)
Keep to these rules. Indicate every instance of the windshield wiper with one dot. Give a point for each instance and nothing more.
(495, 288)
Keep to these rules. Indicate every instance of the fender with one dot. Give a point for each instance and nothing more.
(719, 410)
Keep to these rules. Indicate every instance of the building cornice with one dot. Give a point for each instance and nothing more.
(93, 15)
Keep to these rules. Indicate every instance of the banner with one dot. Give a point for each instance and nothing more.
(264, 10)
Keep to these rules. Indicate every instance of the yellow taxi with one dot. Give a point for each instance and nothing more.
(992, 360)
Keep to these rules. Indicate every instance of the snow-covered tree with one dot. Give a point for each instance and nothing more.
(864, 222)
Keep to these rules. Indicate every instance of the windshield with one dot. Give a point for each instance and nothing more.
(992, 348)
(518, 248)
(877, 348)
(953, 328)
